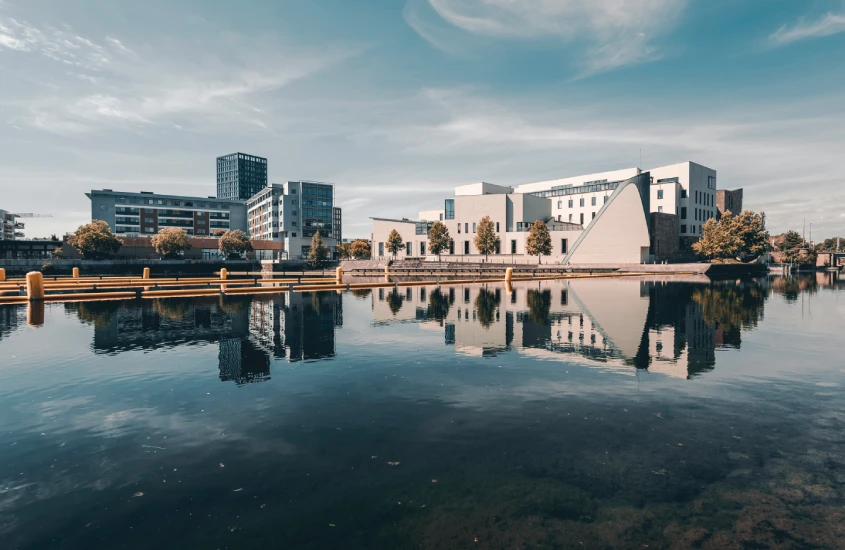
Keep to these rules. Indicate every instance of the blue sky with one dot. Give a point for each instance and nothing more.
(398, 101)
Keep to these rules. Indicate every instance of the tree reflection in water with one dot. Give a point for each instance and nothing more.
(539, 303)
(439, 304)
(486, 303)
(394, 301)
(99, 314)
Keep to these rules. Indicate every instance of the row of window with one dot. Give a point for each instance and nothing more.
(168, 202)
(593, 201)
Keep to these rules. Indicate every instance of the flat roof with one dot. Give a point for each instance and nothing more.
(395, 220)
(148, 194)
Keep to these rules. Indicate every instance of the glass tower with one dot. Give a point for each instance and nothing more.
(240, 176)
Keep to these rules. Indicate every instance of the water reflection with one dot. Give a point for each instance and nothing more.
(248, 331)
(624, 324)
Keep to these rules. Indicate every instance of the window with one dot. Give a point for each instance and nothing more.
(293, 234)
(513, 246)
(293, 191)
(409, 248)
(459, 229)
(450, 209)
(570, 203)
(606, 198)
(594, 216)
(200, 222)
(711, 182)
(563, 297)
(473, 227)
(422, 248)
(149, 201)
(581, 202)
(582, 218)
(683, 213)
(466, 247)
(149, 230)
(593, 201)
(570, 218)
(451, 246)
(696, 197)
(560, 204)
(660, 209)
(149, 220)
(497, 227)
(660, 193)
(683, 229)
(519, 226)
(293, 224)
(293, 213)
(200, 231)
(563, 243)
(466, 227)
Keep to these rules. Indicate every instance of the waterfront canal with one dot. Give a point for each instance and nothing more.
(626, 413)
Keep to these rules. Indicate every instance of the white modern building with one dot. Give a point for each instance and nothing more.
(621, 237)
(687, 190)
(10, 227)
(292, 213)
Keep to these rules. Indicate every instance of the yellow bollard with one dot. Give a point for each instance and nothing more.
(224, 273)
(509, 287)
(35, 285)
(509, 274)
(35, 314)
(339, 274)
(146, 273)
(2, 274)
(75, 272)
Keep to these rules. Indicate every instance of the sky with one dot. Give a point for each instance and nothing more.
(396, 102)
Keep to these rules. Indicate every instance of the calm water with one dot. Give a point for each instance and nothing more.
(587, 414)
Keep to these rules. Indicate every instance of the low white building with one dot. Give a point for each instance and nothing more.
(619, 233)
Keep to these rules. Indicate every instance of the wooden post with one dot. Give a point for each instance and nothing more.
(146, 273)
(339, 274)
(35, 285)
(509, 274)
(2, 274)
(224, 273)
(75, 272)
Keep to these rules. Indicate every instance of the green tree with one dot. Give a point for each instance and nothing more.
(218, 233)
(750, 229)
(486, 240)
(539, 242)
(361, 250)
(344, 251)
(800, 256)
(791, 239)
(718, 239)
(438, 239)
(95, 241)
(486, 304)
(171, 241)
(234, 243)
(439, 303)
(394, 242)
(318, 252)
(830, 245)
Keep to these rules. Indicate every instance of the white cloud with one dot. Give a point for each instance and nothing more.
(615, 32)
(831, 23)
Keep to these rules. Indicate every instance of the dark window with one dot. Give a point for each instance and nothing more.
(513, 246)
(473, 227)
(606, 198)
(497, 227)
(466, 247)
(466, 227)
(450, 209)
(683, 212)
(582, 218)
(593, 201)
(409, 248)
(570, 203)
(594, 216)
(660, 193)
(563, 246)
(563, 297)
(422, 248)
(581, 202)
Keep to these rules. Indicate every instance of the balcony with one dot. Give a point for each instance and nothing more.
(19, 225)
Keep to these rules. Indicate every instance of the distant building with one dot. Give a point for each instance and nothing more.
(727, 200)
(240, 176)
(292, 213)
(131, 214)
(10, 226)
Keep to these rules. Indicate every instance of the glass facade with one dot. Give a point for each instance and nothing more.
(450, 209)
(240, 176)
(317, 212)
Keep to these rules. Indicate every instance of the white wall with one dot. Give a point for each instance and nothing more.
(614, 175)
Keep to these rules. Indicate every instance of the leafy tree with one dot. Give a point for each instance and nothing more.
(318, 252)
(733, 236)
(486, 240)
(438, 239)
(539, 304)
(800, 256)
(750, 228)
(344, 251)
(830, 245)
(95, 241)
(539, 242)
(218, 233)
(171, 241)
(791, 239)
(486, 304)
(394, 242)
(718, 240)
(361, 250)
(234, 243)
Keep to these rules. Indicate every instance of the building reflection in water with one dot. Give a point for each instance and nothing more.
(672, 328)
(248, 331)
